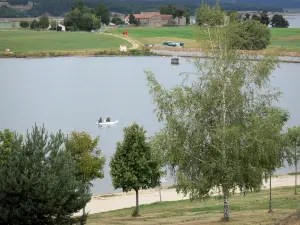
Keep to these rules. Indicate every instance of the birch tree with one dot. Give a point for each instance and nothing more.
(293, 150)
(214, 118)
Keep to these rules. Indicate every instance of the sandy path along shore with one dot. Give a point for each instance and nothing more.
(104, 203)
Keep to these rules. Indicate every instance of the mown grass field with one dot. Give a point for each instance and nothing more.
(251, 209)
(282, 39)
(46, 41)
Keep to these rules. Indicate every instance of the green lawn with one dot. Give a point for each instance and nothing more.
(285, 39)
(46, 41)
(251, 209)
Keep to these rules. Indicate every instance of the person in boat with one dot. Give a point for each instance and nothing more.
(108, 119)
(100, 120)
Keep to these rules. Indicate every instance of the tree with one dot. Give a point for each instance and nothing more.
(213, 119)
(205, 15)
(34, 24)
(38, 183)
(249, 35)
(278, 21)
(255, 17)
(179, 13)
(264, 18)
(116, 20)
(44, 21)
(24, 24)
(134, 166)
(103, 13)
(247, 16)
(293, 149)
(132, 19)
(6, 144)
(85, 152)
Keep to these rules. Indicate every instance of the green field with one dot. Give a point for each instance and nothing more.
(283, 39)
(46, 41)
(251, 209)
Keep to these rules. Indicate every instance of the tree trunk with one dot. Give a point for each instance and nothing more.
(270, 201)
(226, 208)
(296, 171)
(137, 210)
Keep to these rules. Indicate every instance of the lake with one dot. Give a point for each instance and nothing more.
(72, 93)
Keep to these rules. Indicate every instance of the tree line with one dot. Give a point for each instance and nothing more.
(59, 8)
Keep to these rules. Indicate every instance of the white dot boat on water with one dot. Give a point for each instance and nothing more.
(107, 121)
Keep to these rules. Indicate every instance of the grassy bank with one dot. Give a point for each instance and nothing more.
(249, 209)
(46, 41)
(284, 40)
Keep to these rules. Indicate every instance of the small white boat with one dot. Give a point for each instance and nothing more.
(108, 123)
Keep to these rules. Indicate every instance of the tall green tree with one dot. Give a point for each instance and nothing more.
(264, 18)
(293, 149)
(34, 24)
(255, 17)
(24, 24)
(278, 21)
(38, 183)
(85, 152)
(102, 12)
(134, 166)
(7, 139)
(211, 119)
(44, 21)
(132, 19)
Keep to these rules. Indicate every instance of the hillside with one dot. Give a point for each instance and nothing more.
(58, 7)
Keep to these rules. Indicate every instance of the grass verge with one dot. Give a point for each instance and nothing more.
(250, 209)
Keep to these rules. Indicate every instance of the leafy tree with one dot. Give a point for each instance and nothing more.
(247, 16)
(278, 21)
(133, 166)
(132, 19)
(24, 24)
(167, 9)
(38, 183)
(6, 144)
(85, 152)
(293, 149)
(255, 17)
(249, 35)
(103, 13)
(34, 24)
(179, 13)
(117, 20)
(44, 21)
(214, 118)
(264, 18)
(206, 15)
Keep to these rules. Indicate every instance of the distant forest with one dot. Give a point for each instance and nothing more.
(59, 7)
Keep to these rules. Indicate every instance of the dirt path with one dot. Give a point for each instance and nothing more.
(135, 44)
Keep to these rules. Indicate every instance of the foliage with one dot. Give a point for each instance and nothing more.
(6, 144)
(117, 20)
(85, 152)
(214, 119)
(132, 19)
(210, 16)
(255, 17)
(44, 21)
(38, 184)
(34, 24)
(134, 166)
(293, 149)
(6, 12)
(103, 13)
(24, 24)
(264, 18)
(81, 18)
(278, 21)
(249, 35)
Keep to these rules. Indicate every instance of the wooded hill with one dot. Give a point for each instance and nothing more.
(58, 7)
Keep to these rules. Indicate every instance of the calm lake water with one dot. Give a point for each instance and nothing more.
(72, 93)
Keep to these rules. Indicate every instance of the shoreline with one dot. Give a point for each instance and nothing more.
(285, 57)
(115, 201)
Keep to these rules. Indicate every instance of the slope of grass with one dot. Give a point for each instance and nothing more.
(282, 39)
(251, 209)
(45, 41)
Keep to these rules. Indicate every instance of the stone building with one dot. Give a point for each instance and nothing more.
(155, 19)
